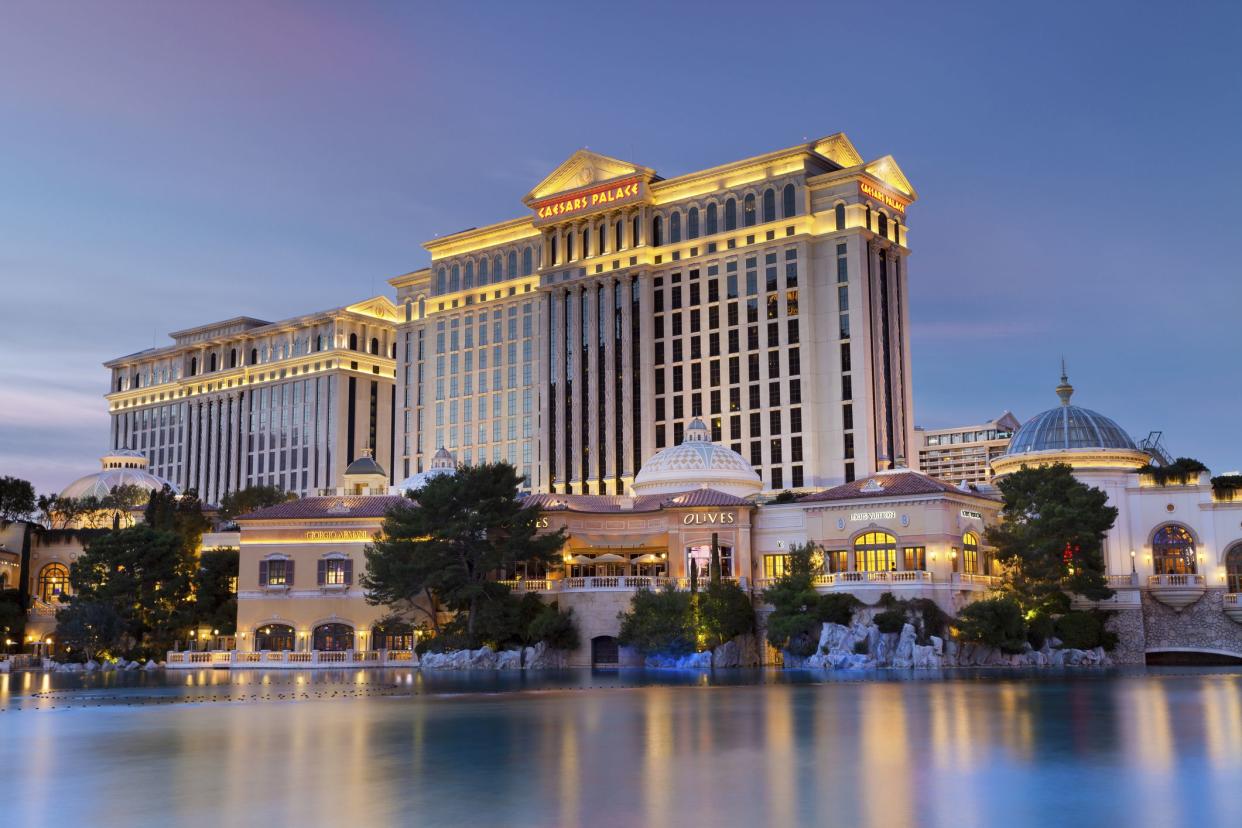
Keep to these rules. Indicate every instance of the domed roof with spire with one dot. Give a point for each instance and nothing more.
(443, 462)
(697, 463)
(1068, 427)
(120, 467)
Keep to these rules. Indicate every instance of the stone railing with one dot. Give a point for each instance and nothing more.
(42, 608)
(1176, 580)
(609, 583)
(289, 660)
(846, 580)
(1122, 581)
(975, 579)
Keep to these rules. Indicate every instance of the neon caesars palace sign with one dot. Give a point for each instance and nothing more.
(871, 191)
(611, 194)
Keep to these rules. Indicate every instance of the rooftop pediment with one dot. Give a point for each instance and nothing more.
(584, 169)
(380, 307)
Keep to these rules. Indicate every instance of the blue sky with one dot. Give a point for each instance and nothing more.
(167, 165)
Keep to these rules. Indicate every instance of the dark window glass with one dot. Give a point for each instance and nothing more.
(748, 210)
(769, 205)
(674, 228)
(845, 356)
(657, 231)
(839, 214)
(731, 214)
(692, 223)
(788, 201)
(711, 220)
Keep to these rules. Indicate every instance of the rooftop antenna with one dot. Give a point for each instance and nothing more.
(1064, 390)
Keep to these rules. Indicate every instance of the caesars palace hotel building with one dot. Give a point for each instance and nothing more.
(766, 296)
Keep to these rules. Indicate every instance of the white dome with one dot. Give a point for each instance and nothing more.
(120, 467)
(697, 463)
(442, 463)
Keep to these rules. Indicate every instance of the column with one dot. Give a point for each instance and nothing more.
(896, 363)
(609, 396)
(646, 331)
(545, 325)
(213, 451)
(560, 471)
(882, 451)
(574, 346)
(190, 473)
(243, 431)
(594, 398)
(230, 483)
(628, 427)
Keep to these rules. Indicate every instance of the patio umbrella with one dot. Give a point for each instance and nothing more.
(609, 557)
(649, 558)
(581, 560)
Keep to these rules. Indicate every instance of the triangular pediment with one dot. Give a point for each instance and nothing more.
(839, 150)
(583, 169)
(886, 170)
(380, 307)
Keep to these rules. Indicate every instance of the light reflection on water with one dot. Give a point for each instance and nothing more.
(362, 748)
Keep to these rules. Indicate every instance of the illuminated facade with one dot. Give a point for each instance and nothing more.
(964, 453)
(766, 296)
(247, 402)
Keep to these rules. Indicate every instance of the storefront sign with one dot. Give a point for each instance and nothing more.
(872, 191)
(719, 518)
(333, 535)
(967, 513)
(592, 198)
(863, 517)
(541, 523)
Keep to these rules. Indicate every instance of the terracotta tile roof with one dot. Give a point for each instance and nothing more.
(890, 484)
(336, 506)
(645, 503)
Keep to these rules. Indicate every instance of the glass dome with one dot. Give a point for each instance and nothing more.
(1068, 427)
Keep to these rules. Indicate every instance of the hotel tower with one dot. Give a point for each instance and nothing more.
(766, 296)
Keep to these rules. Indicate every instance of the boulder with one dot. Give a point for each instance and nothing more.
(151, 665)
(742, 651)
(903, 655)
(693, 661)
(542, 657)
(91, 666)
(509, 660)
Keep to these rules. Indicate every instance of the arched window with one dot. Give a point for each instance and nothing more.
(586, 242)
(970, 553)
(619, 236)
(868, 217)
(731, 215)
(1173, 551)
(454, 278)
(526, 265)
(374, 346)
(120, 381)
(569, 246)
(483, 271)
(409, 316)
(232, 357)
(789, 206)
(498, 266)
(53, 582)
(353, 342)
(441, 283)
(748, 210)
(602, 241)
(896, 230)
(274, 637)
(875, 552)
(396, 635)
(674, 228)
(839, 214)
(1233, 568)
(657, 231)
(769, 205)
(254, 356)
(467, 280)
(692, 223)
(883, 221)
(193, 366)
(701, 556)
(333, 638)
(211, 363)
(137, 380)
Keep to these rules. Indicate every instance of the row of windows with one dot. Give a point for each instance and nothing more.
(487, 270)
(750, 216)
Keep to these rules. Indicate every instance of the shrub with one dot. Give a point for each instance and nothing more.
(1084, 630)
(996, 622)
(724, 611)
(554, 628)
(659, 622)
(836, 608)
(1039, 630)
(861, 647)
(890, 621)
(795, 634)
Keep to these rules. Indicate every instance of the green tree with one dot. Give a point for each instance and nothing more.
(1051, 538)
(659, 622)
(251, 499)
(93, 628)
(215, 601)
(17, 499)
(997, 622)
(466, 528)
(12, 619)
(793, 624)
(145, 574)
(120, 502)
(554, 628)
(181, 514)
(723, 611)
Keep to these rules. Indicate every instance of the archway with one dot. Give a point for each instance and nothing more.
(274, 637)
(53, 582)
(333, 637)
(1173, 551)
(1233, 568)
(605, 652)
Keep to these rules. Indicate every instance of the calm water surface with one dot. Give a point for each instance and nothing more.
(394, 747)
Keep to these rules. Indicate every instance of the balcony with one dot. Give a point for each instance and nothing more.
(1233, 606)
(1177, 590)
(288, 660)
(610, 583)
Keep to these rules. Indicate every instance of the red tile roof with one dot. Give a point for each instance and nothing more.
(336, 506)
(891, 484)
(645, 503)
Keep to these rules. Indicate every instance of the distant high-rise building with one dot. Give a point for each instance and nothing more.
(964, 453)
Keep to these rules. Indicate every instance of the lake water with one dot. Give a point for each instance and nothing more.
(388, 747)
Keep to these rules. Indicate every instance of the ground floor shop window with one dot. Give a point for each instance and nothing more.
(334, 637)
(274, 637)
(875, 552)
(701, 556)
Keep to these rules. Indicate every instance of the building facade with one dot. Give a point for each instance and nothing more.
(246, 402)
(766, 296)
(964, 453)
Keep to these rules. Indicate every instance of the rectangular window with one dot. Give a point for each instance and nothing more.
(915, 558)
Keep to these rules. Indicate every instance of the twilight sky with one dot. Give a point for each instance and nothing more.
(164, 165)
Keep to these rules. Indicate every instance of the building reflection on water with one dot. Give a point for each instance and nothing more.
(360, 748)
